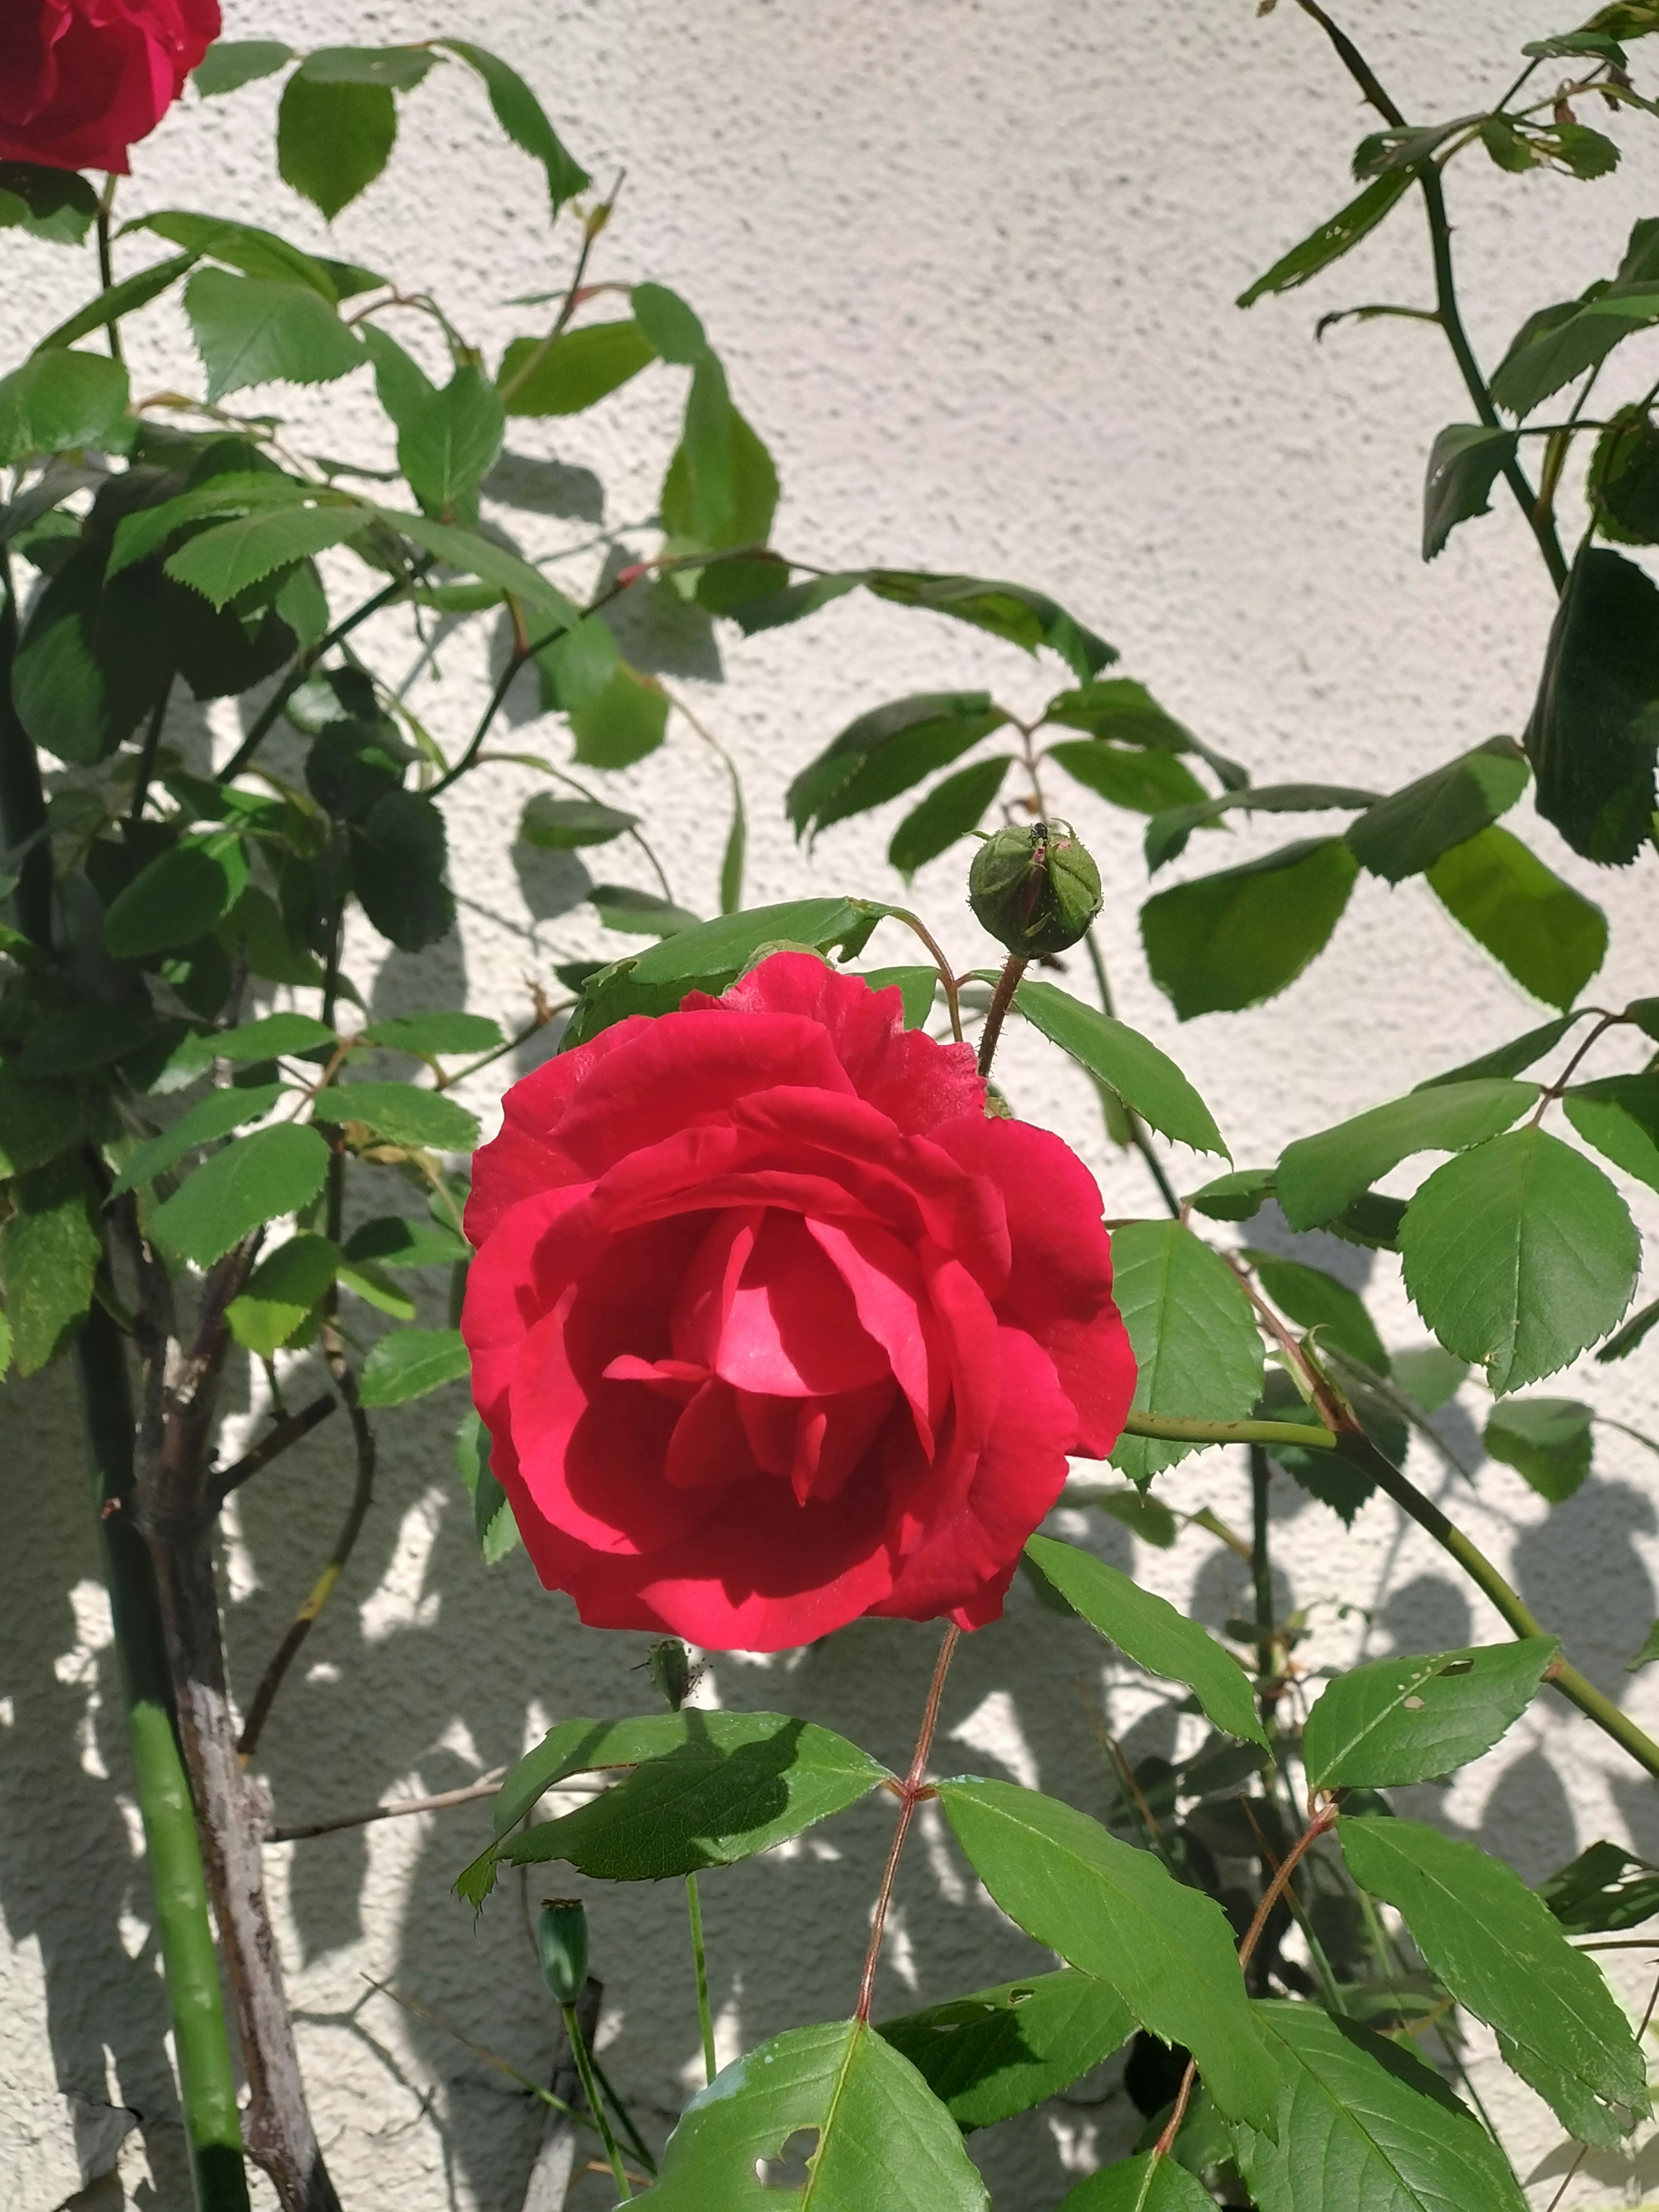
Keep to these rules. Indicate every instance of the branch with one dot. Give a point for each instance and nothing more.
(487, 1785)
(287, 1432)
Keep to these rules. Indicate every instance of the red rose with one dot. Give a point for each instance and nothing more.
(772, 1327)
(80, 80)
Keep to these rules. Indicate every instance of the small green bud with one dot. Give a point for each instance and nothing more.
(671, 1670)
(561, 1940)
(1036, 889)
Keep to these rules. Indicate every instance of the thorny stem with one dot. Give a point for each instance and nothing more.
(596, 2103)
(911, 1791)
(699, 1959)
(1002, 998)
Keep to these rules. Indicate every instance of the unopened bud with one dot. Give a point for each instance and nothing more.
(1036, 889)
(561, 1940)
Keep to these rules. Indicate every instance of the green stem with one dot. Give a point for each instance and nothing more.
(207, 2079)
(1261, 1575)
(1138, 1132)
(1176, 1428)
(1002, 998)
(595, 2102)
(693, 1910)
(106, 259)
(22, 799)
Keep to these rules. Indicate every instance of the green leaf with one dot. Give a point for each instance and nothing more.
(1519, 1255)
(1405, 833)
(877, 2134)
(272, 1037)
(1465, 462)
(1002, 2051)
(950, 811)
(1228, 941)
(1147, 2183)
(1145, 781)
(1594, 1894)
(1503, 1956)
(1363, 2121)
(117, 300)
(179, 896)
(393, 1240)
(1235, 1197)
(521, 115)
(1560, 343)
(1506, 1059)
(281, 1294)
(1015, 612)
(1413, 1719)
(86, 1037)
(480, 556)
(333, 139)
(448, 445)
(1141, 1514)
(1149, 1631)
(885, 752)
(1550, 939)
(1315, 1299)
(398, 862)
(230, 63)
(1333, 239)
(732, 1784)
(403, 1113)
(1144, 1077)
(1624, 478)
(493, 1524)
(56, 401)
(49, 1247)
(376, 1288)
(917, 987)
(54, 204)
(1625, 1341)
(1192, 1333)
(223, 562)
(1430, 1377)
(400, 68)
(1546, 1439)
(1167, 836)
(637, 913)
(1592, 733)
(209, 1119)
(1119, 1914)
(1318, 1176)
(251, 329)
(256, 1180)
(722, 489)
(559, 824)
(1619, 1115)
(669, 327)
(436, 1033)
(1120, 711)
(38, 1121)
(621, 723)
(147, 529)
(255, 251)
(410, 1362)
(575, 371)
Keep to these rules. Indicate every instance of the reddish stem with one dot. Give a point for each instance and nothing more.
(911, 1791)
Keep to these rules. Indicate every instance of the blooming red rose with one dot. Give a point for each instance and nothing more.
(81, 80)
(772, 1326)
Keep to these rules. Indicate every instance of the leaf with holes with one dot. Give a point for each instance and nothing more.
(403, 1113)
(1466, 461)
(411, 1362)
(999, 2051)
(1119, 1914)
(1407, 833)
(1144, 1078)
(1147, 1629)
(1333, 239)
(256, 1180)
(1192, 1333)
(1397, 1721)
(1227, 941)
(1504, 1956)
(1318, 1176)
(1519, 1255)
(1547, 1440)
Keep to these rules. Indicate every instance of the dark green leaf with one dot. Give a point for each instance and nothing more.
(411, 1362)
(256, 1180)
(230, 63)
(249, 329)
(1620, 1345)
(209, 1119)
(722, 489)
(1560, 343)
(1149, 1631)
(999, 2051)
(481, 557)
(1120, 711)
(1231, 941)
(1144, 782)
(1236, 1197)
(1501, 1954)
(1619, 1115)
(1506, 1059)
(886, 751)
(50, 1249)
(521, 115)
(54, 204)
(179, 896)
(400, 68)
(58, 401)
(117, 300)
(1167, 836)
(1013, 611)
(448, 444)
(393, 1240)
(1510, 148)
(1406, 146)
(1546, 1439)
(147, 529)
(669, 327)
(1405, 833)
(1519, 1255)
(1466, 461)
(1142, 1515)
(86, 1037)
(1595, 1893)
(1624, 478)
(271, 1037)
(1144, 1077)
(93, 662)
(333, 139)
(1411, 1719)
(1363, 2121)
(223, 562)
(255, 251)
(1318, 1176)
(281, 1292)
(38, 1121)
(575, 371)
(1578, 42)
(1592, 736)
(1147, 2183)
(877, 2134)
(1315, 1299)
(401, 1112)
(1332, 239)
(493, 1524)
(639, 914)
(397, 871)
(950, 811)
(436, 1033)
(1193, 1334)
(1119, 1914)
(1550, 939)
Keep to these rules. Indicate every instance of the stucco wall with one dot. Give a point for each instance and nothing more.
(971, 267)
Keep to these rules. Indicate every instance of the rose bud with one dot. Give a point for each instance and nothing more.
(1034, 889)
(561, 1940)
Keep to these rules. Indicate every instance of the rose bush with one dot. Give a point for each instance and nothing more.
(82, 80)
(772, 1326)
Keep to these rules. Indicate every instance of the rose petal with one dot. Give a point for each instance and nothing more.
(791, 1328)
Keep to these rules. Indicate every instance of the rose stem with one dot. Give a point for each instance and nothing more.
(694, 1912)
(595, 2102)
(911, 1791)
(1002, 998)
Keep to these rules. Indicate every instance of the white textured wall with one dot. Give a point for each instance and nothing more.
(971, 267)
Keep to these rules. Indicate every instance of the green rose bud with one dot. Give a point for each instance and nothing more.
(561, 1940)
(1036, 889)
